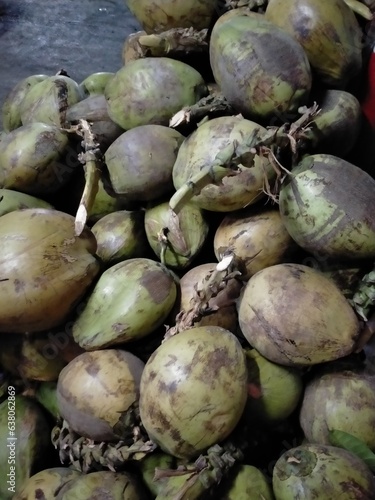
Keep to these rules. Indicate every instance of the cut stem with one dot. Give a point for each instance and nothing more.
(209, 288)
(91, 159)
(212, 106)
(194, 480)
(174, 42)
(359, 8)
(208, 175)
(236, 156)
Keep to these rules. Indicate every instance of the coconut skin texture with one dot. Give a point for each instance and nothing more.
(258, 238)
(114, 376)
(151, 91)
(42, 295)
(342, 400)
(324, 472)
(329, 34)
(161, 15)
(257, 84)
(130, 300)
(193, 390)
(327, 206)
(141, 160)
(295, 316)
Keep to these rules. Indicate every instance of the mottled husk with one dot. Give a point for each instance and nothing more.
(327, 206)
(114, 375)
(193, 390)
(254, 81)
(330, 36)
(323, 472)
(295, 316)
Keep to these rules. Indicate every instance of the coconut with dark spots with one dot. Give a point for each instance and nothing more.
(262, 71)
(161, 15)
(48, 101)
(199, 151)
(151, 91)
(11, 117)
(46, 484)
(32, 357)
(295, 316)
(113, 376)
(141, 160)
(336, 128)
(327, 206)
(193, 390)
(130, 300)
(176, 239)
(33, 159)
(324, 472)
(342, 400)
(27, 449)
(259, 239)
(120, 235)
(45, 269)
(328, 32)
(106, 485)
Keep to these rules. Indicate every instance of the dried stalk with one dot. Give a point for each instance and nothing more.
(87, 455)
(210, 287)
(237, 156)
(91, 159)
(172, 43)
(193, 481)
(212, 106)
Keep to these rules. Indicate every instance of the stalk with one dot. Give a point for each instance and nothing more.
(363, 302)
(175, 42)
(237, 156)
(91, 159)
(190, 482)
(359, 8)
(255, 5)
(209, 107)
(210, 287)
(87, 455)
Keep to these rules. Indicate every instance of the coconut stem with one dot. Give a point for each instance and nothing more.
(363, 302)
(364, 298)
(208, 175)
(91, 159)
(249, 4)
(231, 159)
(359, 8)
(192, 481)
(163, 240)
(173, 42)
(213, 283)
(212, 106)
(226, 163)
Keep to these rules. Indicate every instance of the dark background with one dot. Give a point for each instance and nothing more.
(44, 36)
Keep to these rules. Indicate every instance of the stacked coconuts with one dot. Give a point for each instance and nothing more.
(186, 258)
